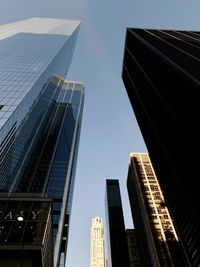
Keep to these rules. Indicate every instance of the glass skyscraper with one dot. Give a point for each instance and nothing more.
(162, 80)
(40, 120)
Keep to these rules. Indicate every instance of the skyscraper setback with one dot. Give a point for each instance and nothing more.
(161, 76)
(97, 246)
(40, 121)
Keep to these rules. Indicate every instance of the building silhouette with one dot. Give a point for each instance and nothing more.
(158, 242)
(97, 249)
(161, 76)
(40, 121)
(116, 236)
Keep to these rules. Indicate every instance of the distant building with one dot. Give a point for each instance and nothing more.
(97, 250)
(40, 122)
(132, 248)
(116, 237)
(158, 243)
(162, 79)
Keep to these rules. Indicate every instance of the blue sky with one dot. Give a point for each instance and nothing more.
(109, 129)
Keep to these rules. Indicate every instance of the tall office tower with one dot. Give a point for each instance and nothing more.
(39, 130)
(30, 52)
(158, 242)
(116, 236)
(162, 79)
(97, 250)
(43, 162)
(132, 248)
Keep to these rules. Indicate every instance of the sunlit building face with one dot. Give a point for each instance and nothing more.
(40, 121)
(97, 249)
(151, 216)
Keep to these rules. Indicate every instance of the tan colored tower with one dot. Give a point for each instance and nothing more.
(158, 243)
(97, 251)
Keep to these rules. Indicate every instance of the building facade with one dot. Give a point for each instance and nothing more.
(40, 118)
(25, 231)
(158, 242)
(132, 248)
(116, 236)
(161, 76)
(97, 249)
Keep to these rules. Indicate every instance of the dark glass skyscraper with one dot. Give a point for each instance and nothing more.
(40, 130)
(116, 236)
(162, 79)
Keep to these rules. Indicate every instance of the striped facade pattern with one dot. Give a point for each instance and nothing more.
(162, 79)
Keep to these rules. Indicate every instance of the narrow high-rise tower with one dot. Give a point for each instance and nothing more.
(40, 122)
(158, 242)
(97, 250)
(162, 79)
(117, 246)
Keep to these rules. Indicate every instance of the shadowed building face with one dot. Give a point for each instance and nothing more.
(162, 79)
(116, 236)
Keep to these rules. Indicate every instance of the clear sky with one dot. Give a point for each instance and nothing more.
(109, 129)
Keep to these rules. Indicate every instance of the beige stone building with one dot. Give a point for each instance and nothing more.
(97, 250)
